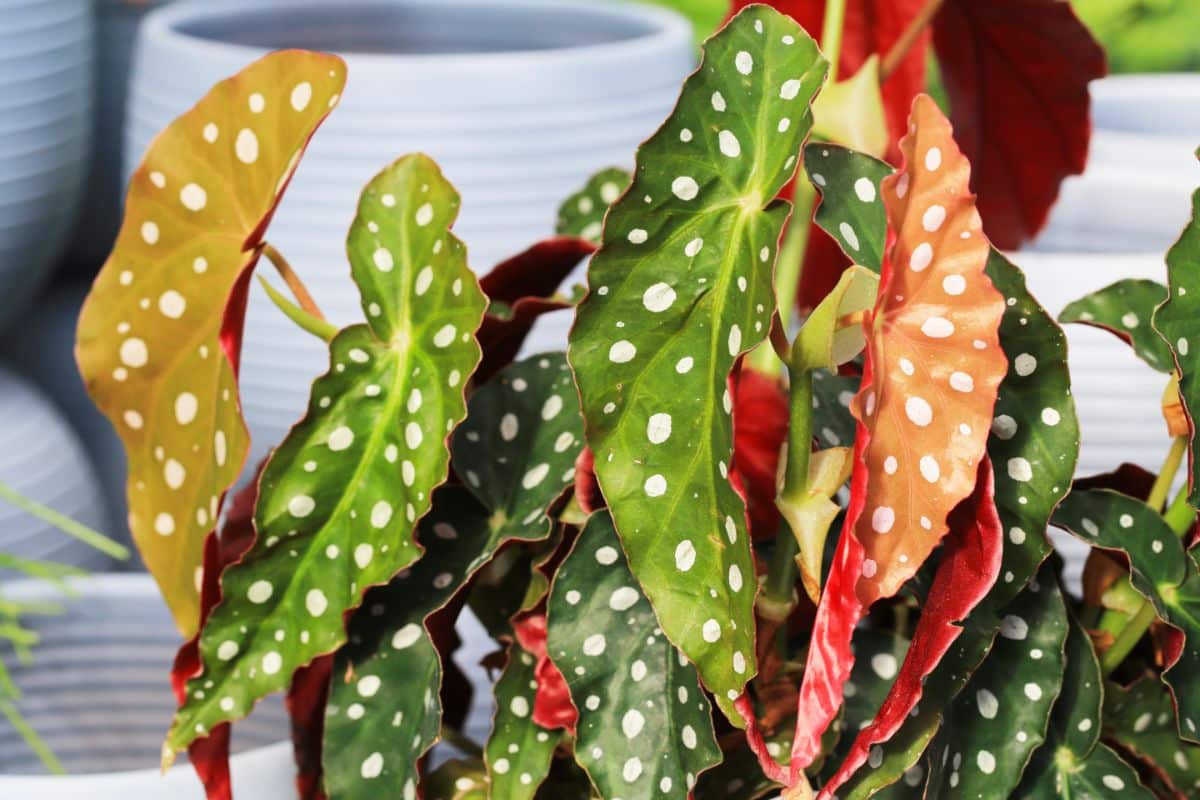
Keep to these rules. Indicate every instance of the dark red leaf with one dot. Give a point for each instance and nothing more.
(587, 488)
(1017, 75)
(525, 283)
(552, 706)
(760, 425)
(306, 699)
(969, 567)
(824, 263)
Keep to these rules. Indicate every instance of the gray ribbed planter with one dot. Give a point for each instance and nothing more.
(98, 692)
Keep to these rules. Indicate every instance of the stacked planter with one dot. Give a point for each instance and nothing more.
(519, 101)
(1117, 221)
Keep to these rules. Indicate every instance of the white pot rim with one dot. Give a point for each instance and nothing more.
(666, 29)
(1176, 84)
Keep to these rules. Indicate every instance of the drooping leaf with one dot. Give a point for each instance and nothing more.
(680, 288)
(1141, 720)
(851, 206)
(1036, 391)
(155, 348)
(516, 452)
(1125, 309)
(993, 727)
(850, 111)
(340, 497)
(1162, 571)
(1017, 72)
(969, 566)
(833, 334)
(378, 724)
(1073, 763)
(520, 290)
(811, 514)
(931, 373)
(645, 724)
(519, 751)
(582, 214)
(1178, 320)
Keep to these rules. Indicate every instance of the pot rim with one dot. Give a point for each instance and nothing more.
(666, 29)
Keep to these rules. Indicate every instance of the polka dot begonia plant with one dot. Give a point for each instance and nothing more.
(854, 596)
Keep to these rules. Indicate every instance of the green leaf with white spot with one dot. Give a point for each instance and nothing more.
(850, 210)
(1161, 570)
(1178, 320)
(1125, 309)
(384, 712)
(1073, 764)
(996, 723)
(680, 288)
(877, 658)
(516, 451)
(340, 497)
(1034, 445)
(645, 725)
(1141, 719)
(519, 751)
(833, 424)
(582, 214)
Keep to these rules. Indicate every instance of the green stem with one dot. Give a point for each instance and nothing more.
(31, 738)
(460, 741)
(831, 34)
(1166, 475)
(780, 583)
(1180, 515)
(78, 530)
(308, 322)
(1129, 636)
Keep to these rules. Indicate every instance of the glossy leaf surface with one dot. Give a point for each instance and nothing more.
(1037, 391)
(516, 451)
(149, 341)
(680, 288)
(833, 425)
(519, 751)
(1179, 322)
(645, 725)
(1073, 763)
(851, 208)
(993, 727)
(340, 497)
(1125, 309)
(1162, 571)
(582, 214)
(384, 711)
(1141, 719)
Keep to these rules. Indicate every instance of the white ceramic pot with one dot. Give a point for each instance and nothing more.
(1164, 104)
(46, 57)
(97, 692)
(518, 100)
(45, 353)
(41, 458)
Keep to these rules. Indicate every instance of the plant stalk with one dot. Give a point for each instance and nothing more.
(900, 49)
(317, 326)
(460, 741)
(1166, 475)
(831, 34)
(292, 279)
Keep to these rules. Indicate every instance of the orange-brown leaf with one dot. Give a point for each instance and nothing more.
(150, 344)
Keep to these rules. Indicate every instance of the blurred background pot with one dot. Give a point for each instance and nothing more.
(42, 459)
(97, 692)
(518, 100)
(46, 73)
